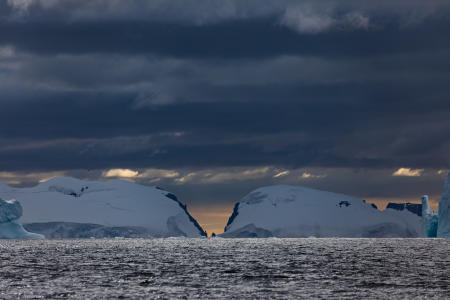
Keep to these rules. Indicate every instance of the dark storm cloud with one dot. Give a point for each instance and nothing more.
(321, 132)
(256, 38)
(95, 85)
(225, 31)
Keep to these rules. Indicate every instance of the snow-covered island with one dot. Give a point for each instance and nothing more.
(294, 211)
(290, 211)
(72, 208)
(10, 227)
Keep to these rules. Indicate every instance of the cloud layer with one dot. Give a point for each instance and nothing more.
(207, 94)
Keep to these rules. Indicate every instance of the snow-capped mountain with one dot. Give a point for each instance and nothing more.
(69, 208)
(415, 208)
(290, 211)
(10, 228)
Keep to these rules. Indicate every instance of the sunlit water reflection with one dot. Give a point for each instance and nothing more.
(226, 268)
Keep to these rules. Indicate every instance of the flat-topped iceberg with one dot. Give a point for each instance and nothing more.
(293, 211)
(72, 208)
(10, 227)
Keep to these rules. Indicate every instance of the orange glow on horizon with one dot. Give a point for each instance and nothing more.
(212, 218)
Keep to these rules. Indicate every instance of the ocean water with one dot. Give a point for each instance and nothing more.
(226, 268)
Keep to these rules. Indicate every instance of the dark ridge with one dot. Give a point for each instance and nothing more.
(184, 207)
(233, 215)
(371, 204)
(345, 203)
(415, 208)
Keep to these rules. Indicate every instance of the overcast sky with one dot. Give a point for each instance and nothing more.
(210, 99)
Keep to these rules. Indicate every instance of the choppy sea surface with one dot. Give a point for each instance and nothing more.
(226, 268)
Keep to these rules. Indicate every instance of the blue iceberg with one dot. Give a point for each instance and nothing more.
(429, 219)
(10, 228)
(444, 211)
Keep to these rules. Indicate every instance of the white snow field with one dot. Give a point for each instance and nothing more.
(10, 228)
(72, 208)
(293, 211)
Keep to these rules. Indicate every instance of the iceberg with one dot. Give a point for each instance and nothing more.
(429, 219)
(10, 227)
(295, 211)
(72, 208)
(444, 211)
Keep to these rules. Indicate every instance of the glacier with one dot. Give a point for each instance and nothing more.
(444, 211)
(71, 208)
(10, 227)
(295, 211)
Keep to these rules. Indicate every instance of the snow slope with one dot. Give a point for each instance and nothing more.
(290, 211)
(10, 228)
(68, 207)
(444, 211)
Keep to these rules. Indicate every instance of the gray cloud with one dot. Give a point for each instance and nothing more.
(203, 12)
(228, 94)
